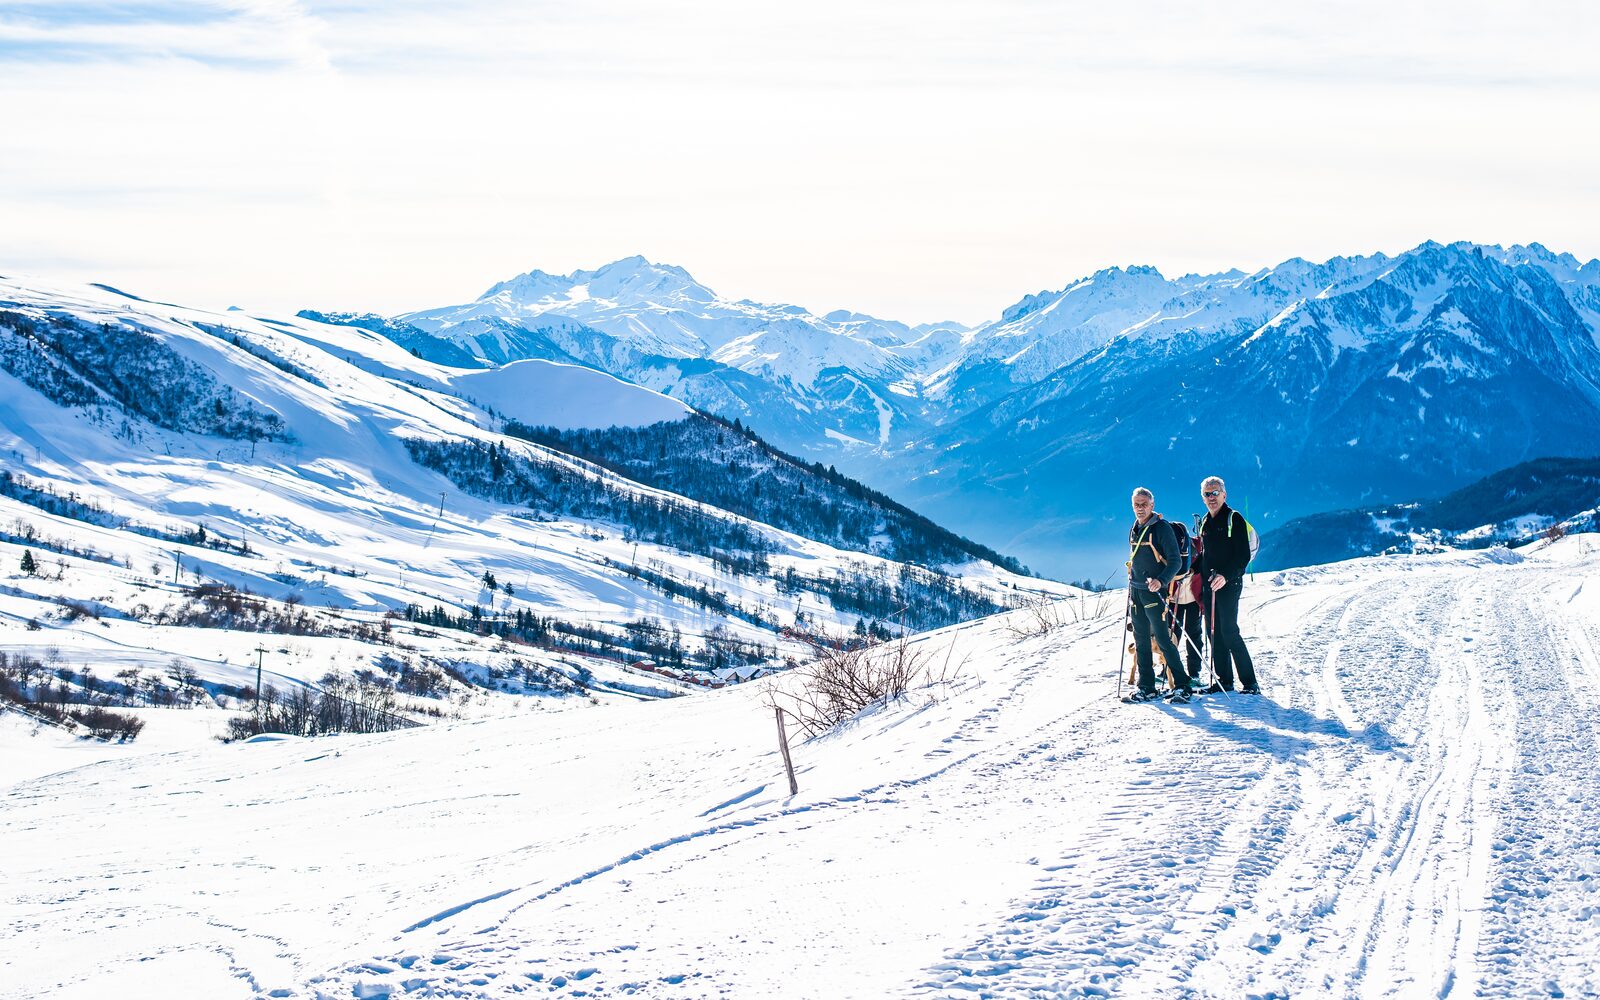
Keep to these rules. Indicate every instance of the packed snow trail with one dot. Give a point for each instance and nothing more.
(1409, 811)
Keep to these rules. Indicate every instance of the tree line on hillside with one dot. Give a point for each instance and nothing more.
(646, 638)
(554, 488)
(913, 598)
(341, 703)
(44, 496)
(724, 464)
(125, 370)
(256, 351)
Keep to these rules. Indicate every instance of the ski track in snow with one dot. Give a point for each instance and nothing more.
(1409, 811)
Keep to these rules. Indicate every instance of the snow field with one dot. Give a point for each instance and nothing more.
(1409, 811)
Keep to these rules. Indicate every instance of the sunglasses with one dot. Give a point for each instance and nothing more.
(1208, 494)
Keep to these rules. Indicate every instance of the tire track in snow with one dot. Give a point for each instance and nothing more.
(1541, 927)
(1121, 914)
(1136, 904)
(1378, 887)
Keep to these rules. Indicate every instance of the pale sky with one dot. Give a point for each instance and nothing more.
(919, 161)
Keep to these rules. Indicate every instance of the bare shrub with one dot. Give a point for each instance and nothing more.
(108, 725)
(838, 682)
(1555, 533)
(1044, 614)
(345, 704)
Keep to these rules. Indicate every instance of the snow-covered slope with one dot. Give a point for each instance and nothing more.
(1409, 811)
(162, 461)
(545, 393)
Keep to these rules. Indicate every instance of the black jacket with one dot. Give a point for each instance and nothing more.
(1144, 541)
(1223, 550)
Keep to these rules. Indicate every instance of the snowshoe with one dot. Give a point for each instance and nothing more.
(1140, 696)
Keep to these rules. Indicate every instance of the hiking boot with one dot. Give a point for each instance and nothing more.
(1252, 689)
(1214, 688)
(1141, 696)
(1178, 696)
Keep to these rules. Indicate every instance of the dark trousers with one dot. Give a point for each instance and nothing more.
(1149, 612)
(1227, 645)
(1186, 623)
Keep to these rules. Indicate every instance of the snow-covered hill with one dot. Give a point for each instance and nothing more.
(192, 485)
(1409, 811)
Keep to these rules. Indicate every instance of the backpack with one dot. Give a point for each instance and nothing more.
(1251, 533)
(1185, 555)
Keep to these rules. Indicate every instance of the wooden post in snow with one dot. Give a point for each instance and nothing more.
(259, 653)
(783, 744)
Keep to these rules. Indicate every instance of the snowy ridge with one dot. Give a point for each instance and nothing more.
(543, 393)
(1408, 811)
(660, 309)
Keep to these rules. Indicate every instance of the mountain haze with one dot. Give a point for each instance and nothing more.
(1309, 386)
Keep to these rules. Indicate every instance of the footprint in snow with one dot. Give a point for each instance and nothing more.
(1264, 942)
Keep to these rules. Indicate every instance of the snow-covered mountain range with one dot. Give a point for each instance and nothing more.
(1307, 385)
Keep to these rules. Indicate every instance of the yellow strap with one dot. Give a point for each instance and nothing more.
(1153, 550)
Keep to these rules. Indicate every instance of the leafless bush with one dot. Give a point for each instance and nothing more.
(345, 704)
(838, 683)
(72, 610)
(1044, 614)
(108, 725)
(63, 697)
(1555, 533)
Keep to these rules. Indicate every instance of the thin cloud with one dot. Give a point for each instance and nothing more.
(914, 160)
(255, 36)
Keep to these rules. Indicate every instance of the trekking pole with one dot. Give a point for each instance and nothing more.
(1122, 641)
(1212, 629)
(1197, 650)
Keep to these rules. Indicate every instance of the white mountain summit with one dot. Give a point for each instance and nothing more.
(656, 308)
(840, 377)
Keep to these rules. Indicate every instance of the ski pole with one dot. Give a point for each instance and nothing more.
(1122, 641)
(1213, 629)
(1197, 650)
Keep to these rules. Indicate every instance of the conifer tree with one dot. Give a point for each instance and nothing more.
(29, 565)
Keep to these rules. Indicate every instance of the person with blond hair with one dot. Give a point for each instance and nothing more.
(1224, 554)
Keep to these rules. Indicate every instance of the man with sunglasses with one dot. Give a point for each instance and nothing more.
(1152, 562)
(1225, 552)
